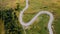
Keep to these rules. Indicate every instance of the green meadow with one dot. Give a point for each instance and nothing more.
(35, 6)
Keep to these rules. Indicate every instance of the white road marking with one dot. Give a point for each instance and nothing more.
(34, 18)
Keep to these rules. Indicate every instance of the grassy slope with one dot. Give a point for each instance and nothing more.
(1, 27)
(36, 6)
(6, 4)
(40, 25)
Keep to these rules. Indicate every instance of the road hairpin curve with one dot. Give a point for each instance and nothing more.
(34, 18)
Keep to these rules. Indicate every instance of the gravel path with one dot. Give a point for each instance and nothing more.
(34, 18)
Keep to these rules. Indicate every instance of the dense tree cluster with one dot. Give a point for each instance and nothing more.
(10, 21)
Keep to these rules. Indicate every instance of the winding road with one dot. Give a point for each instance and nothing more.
(35, 17)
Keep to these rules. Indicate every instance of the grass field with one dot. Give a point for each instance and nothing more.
(40, 25)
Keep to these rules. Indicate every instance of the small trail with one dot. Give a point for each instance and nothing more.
(35, 17)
